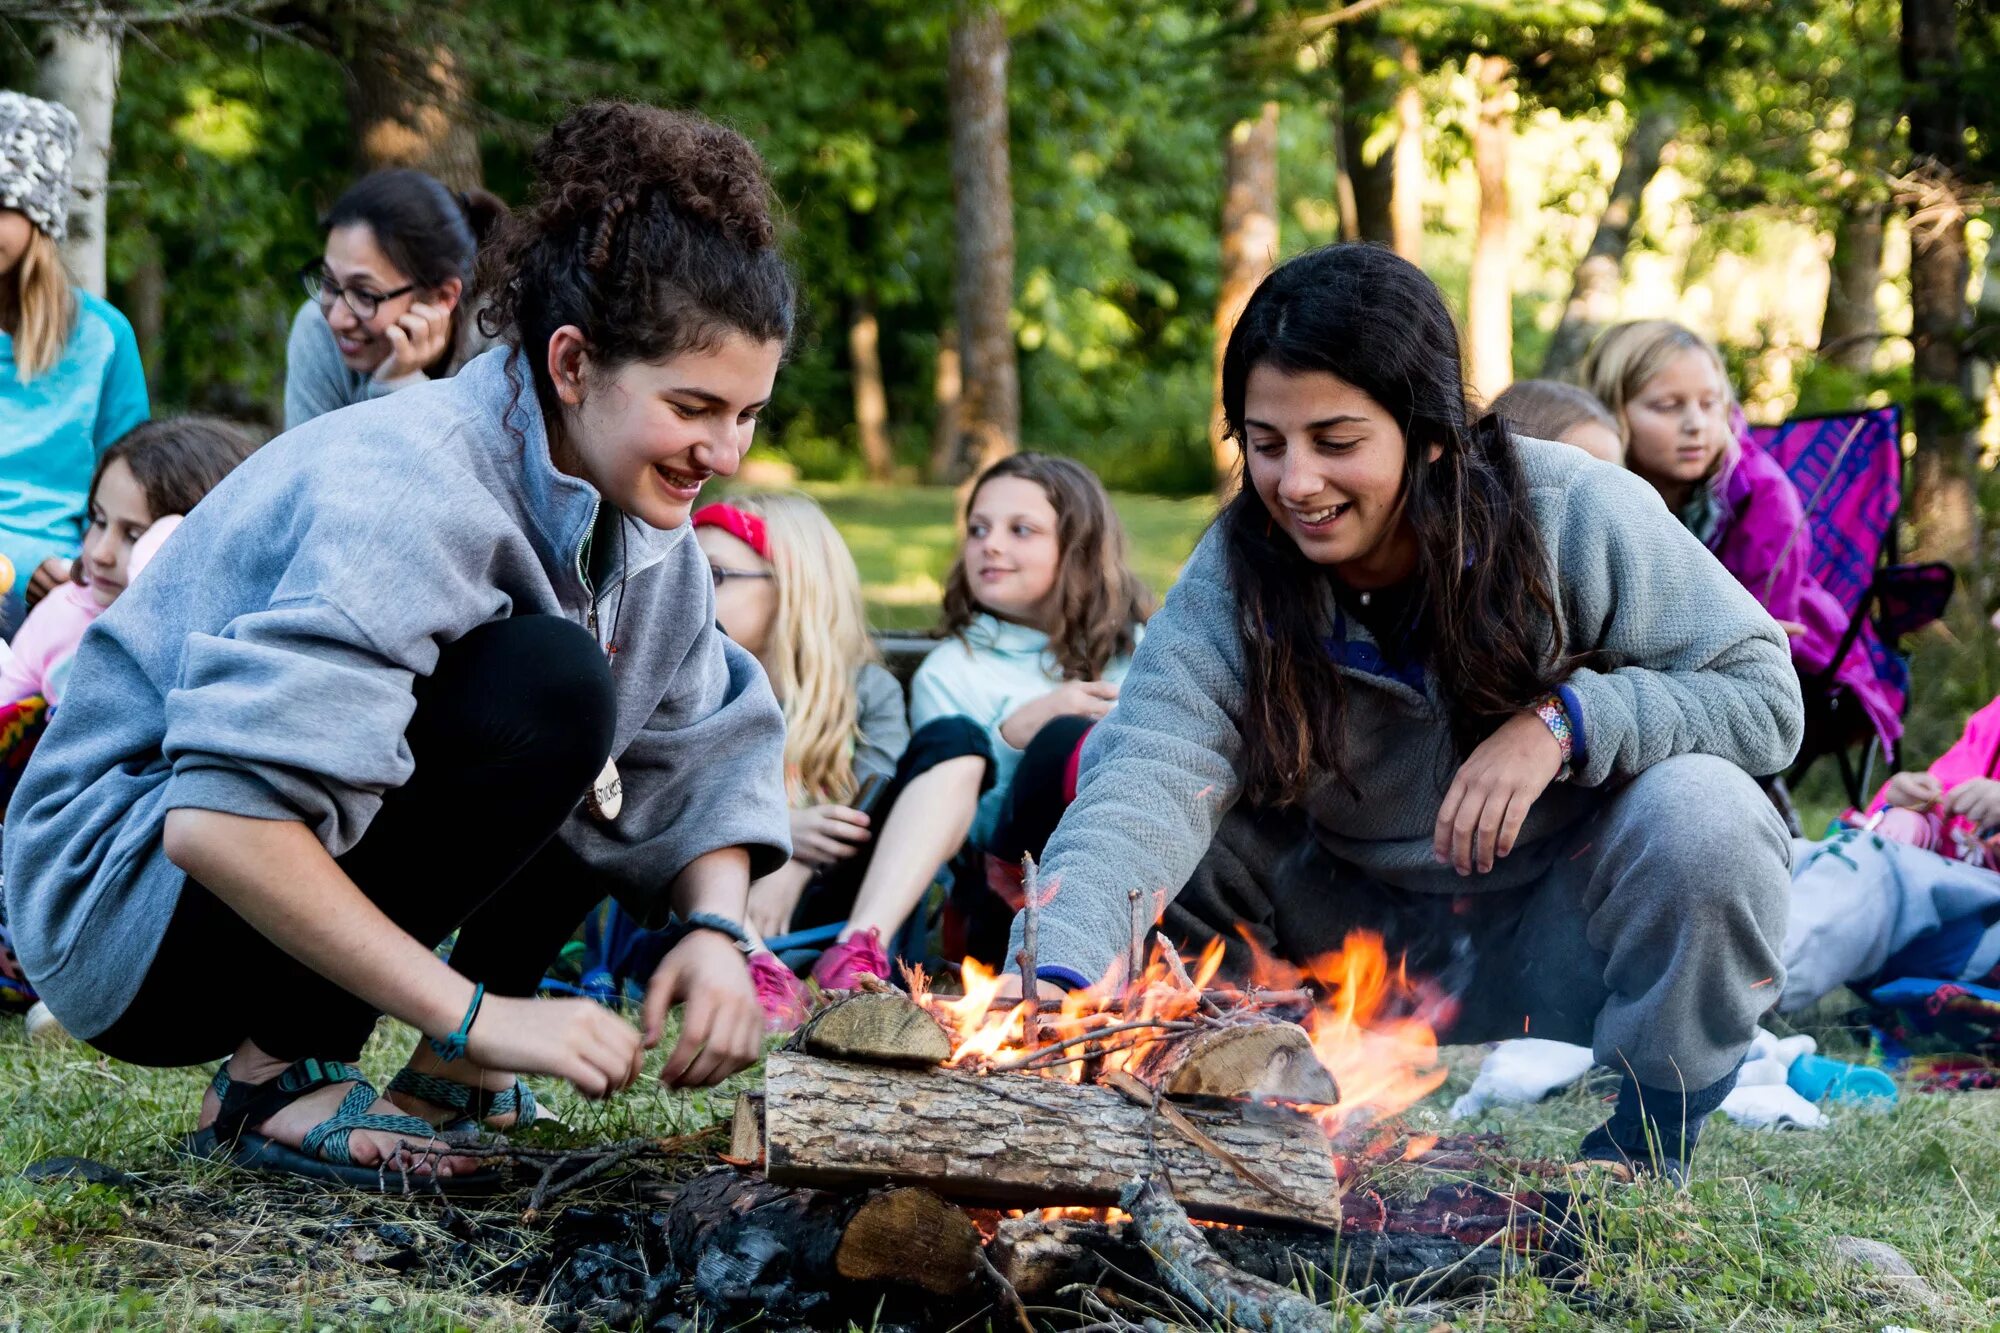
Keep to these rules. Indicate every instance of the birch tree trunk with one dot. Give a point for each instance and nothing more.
(1406, 191)
(1489, 302)
(1249, 247)
(989, 424)
(1593, 295)
(79, 68)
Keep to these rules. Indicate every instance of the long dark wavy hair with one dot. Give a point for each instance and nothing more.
(1098, 598)
(1491, 633)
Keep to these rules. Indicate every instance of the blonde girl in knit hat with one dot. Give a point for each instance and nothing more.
(70, 378)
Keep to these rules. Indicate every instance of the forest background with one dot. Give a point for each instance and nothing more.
(1023, 224)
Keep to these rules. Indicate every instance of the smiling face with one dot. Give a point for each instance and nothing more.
(746, 605)
(1327, 461)
(1012, 550)
(356, 262)
(16, 232)
(1676, 424)
(119, 516)
(648, 434)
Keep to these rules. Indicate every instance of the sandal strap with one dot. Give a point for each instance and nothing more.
(466, 1101)
(330, 1139)
(246, 1104)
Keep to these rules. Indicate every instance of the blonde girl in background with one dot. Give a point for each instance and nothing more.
(1669, 390)
(788, 592)
(70, 378)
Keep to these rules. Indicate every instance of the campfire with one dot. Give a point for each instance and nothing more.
(1162, 1132)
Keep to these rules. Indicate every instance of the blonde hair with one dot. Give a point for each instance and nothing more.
(819, 640)
(1627, 357)
(42, 307)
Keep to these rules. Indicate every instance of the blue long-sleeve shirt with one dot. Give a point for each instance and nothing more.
(53, 428)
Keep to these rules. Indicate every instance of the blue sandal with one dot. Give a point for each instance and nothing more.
(324, 1153)
(471, 1106)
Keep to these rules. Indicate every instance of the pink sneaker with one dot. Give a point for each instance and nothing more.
(784, 997)
(840, 967)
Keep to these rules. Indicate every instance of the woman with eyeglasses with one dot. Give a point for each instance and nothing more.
(442, 663)
(389, 301)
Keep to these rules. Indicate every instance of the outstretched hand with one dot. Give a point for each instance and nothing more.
(722, 1025)
(1492, 793)
(579, 1040)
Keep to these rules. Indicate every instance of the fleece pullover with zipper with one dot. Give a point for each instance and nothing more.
(264, 668)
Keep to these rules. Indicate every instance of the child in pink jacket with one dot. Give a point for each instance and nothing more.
(1952, 808)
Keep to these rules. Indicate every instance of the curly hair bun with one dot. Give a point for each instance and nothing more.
(602, 160)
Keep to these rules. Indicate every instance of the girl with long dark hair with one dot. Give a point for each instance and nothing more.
(1459, 688)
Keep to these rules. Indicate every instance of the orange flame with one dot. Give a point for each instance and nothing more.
(1371, 1025)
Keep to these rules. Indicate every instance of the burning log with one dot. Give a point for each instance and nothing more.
(878, 1027)
(1013, 1142)
(1266, 1060)
(1193, 1271)
(746, 1242)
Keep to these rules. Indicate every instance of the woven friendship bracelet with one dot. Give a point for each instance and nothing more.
(1556, 718)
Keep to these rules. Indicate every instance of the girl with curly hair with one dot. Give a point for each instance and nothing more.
(442, 663)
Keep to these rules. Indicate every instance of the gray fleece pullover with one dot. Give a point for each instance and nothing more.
(263, 667)
(1705, 670)
(317, 381)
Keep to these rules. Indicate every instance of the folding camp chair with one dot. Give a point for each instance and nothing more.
(1848, 468)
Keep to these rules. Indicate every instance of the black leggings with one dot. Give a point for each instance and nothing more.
(509, 732)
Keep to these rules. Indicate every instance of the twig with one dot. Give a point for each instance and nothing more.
(546, 1191)
(1031, 915)
(1137, 960)
(1008, 1296)
(1178, 971)
(1197, 1274)
(1162, 1025)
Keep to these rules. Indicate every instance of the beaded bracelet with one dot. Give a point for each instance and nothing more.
(453, 1047)
(1556, 718)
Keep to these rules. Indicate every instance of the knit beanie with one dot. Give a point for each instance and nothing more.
(37, 141)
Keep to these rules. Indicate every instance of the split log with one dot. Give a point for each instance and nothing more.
(1254, 1060)
(876, 1027)
(745, 1241)
(1016, 1142)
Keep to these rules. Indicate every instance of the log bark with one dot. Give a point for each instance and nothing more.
(1943, 470)
(1850, 330)
(79, 68)
(1249, 248)
(1594, 290)
(1406, 193)
(746, 1241)
(1021, 1142)
(989, 417)
(1489, 301)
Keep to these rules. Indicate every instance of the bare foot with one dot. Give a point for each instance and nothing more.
(366, 1147)
(425, 1061)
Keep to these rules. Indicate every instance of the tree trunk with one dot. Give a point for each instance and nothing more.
(1249, 247)
(1943, 471)
(1593, 294)
(1850, 331)
(79, 68)
(1017, 1141)
(871, 397)
(946, 391)
(1406, 192)
(406, 102)
(146, 301)
(1489, 301)
(982, 192)
(1366, 186)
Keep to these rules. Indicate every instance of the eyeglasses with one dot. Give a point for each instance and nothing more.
(722, 575)
(321, 287)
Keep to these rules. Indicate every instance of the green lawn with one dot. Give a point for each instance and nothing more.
(904, 538)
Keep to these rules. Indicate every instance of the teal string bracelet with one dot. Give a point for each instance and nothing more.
(453, 1047)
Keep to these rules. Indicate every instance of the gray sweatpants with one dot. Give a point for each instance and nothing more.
(1653, 937)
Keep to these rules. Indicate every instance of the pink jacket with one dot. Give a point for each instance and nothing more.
(45, 643)
(1976, 755)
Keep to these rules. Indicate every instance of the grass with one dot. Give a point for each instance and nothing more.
(904, 538)
(1747, 1247)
